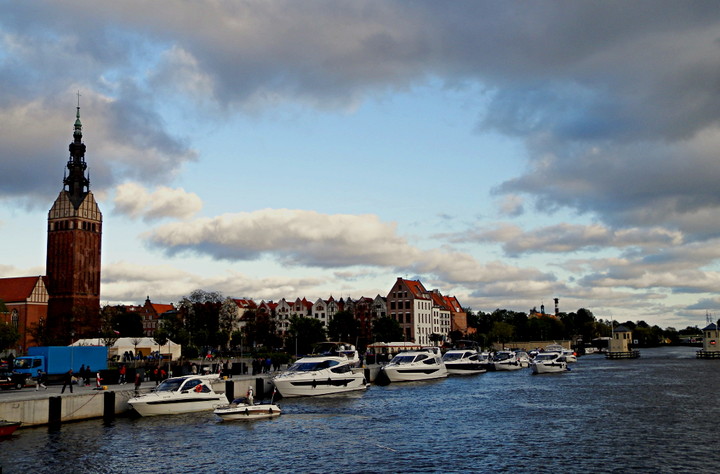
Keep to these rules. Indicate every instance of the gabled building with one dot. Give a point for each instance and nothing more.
(441, 315)
(410, 304)
(243, 306)
(26, 301)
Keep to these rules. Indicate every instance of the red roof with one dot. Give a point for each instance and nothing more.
(15, 290)
(417, 289)
(247, 304)
(162, 308)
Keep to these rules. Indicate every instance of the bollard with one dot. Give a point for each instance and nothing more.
(54, 411)
(230, 390)
(260, 387)
(109, 406)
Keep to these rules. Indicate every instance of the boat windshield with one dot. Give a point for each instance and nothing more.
(451, 356)
(402, 359)
(312, 366)
(503, 355)
(548, 356)
(169, 385)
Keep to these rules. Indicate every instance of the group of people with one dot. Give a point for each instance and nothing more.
(84, 376)
(264, 365)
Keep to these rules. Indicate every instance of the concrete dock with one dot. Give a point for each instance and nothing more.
(50, 406)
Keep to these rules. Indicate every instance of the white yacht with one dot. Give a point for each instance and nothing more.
(410, 366)
(338, 348)
(548, 362)
(175, 395)
(464, 362)
(570, 355)
(320, 375)
(523, 358)
(506, 360)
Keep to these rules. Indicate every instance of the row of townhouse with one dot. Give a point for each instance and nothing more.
(420, 313)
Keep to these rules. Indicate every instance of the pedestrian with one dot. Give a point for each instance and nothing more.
(249, 396)
(229, 368)
(254, 366)
(81, 374)
(40, 380)
(98, 380)
(156, 375)
(268, 365)
(123, 371)
(67, 380)
(138, 382)
(193, 369)
(86, 376)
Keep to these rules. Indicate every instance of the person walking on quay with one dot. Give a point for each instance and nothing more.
(138, 382)
(86, 376)
(229, 368)
(67, 380)
(98, 381)
(122, 371)
(40, 380)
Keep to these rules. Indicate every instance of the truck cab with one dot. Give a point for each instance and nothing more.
(29, 365)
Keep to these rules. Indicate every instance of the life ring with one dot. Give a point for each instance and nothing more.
(198, 388)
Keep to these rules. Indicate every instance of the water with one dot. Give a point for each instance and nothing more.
(654, 414)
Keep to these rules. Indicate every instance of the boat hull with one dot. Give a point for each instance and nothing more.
(507, 366)
(414, 374)
(465, 369)
(247, 412)
(154, 405)
(8, 427)
(309, 385)
(551, 368)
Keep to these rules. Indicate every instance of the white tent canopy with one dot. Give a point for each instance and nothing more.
(134, 345)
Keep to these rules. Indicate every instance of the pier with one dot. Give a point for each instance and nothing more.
(49, 406)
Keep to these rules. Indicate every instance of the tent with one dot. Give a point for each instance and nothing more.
(134, 345)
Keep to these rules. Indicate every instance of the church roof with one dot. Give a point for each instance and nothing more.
(18, 289)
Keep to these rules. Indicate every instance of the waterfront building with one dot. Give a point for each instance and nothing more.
(619, 347)
(25, 300)
(74, 236)
(242, 307)
(441, 314)
(150, 313)
(711, 342)
(410, 304)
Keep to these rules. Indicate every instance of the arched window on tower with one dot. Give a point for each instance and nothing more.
(15, 318)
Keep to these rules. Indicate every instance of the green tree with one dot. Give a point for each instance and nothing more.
(9, 336)
(344, 327)
(304, 334)
(260, 329)
(386, 329)
(502, 332)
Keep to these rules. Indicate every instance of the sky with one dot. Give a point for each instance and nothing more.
(506, 153)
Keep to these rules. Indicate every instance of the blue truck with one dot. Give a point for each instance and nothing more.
(57, 360)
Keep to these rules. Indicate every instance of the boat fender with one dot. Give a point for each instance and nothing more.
(269, 411)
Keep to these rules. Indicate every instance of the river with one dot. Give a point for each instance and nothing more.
(655, 414)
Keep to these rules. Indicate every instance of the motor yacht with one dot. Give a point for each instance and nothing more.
(320, 375)
(410, 366)
(523, 358)
(506, 360)
(463, 362)
(338, 348)
(176, 395)
(548, 362)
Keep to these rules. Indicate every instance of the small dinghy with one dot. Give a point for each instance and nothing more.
(245, 409)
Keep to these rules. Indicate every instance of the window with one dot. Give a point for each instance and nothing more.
(15, 318)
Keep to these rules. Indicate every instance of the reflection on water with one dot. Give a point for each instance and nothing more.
(653, 414)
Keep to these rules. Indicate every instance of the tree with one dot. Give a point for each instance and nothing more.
(344, 327)
(260, 329)
(502, 332)
(386, 329)
(305, 333)
(8, 336)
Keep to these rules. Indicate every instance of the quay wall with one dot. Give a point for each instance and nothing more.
(50, 407)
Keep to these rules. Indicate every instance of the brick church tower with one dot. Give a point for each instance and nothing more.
(73, 253)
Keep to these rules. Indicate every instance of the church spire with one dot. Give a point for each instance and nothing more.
(76, 184)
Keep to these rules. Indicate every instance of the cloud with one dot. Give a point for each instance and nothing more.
(135, 201)
(296, 237)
